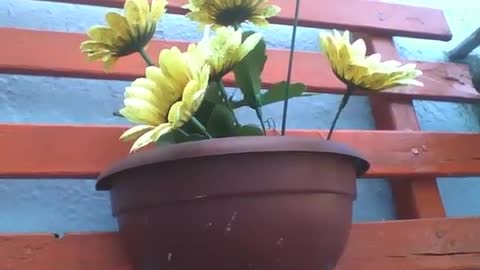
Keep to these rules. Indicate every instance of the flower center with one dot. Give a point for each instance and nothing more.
(233, 15)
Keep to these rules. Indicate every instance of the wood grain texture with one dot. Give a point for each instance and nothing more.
(415, 197)
(436, 244)
(55, 151)
(58, 54)
(361, 16)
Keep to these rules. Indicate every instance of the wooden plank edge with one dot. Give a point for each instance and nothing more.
(441, 244)
(415, 197)
(443, 81)
(76, 151)
(378, 18)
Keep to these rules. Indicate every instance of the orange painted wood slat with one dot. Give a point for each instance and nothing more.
(415, 197)
(58, 54)
(83, 151)
(440, 244)
(361, 16)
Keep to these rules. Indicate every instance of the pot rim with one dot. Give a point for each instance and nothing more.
(229, 146)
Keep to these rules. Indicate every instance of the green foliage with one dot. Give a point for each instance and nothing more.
(248, 130)
(221, 122)
(248, 71)
(278, 91)
(215, 113)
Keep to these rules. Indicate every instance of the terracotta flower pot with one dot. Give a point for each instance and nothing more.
(236, 203)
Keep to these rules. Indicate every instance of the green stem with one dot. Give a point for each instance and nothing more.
(290, 66)
(201, 127)
(183, 132)
(258, 110)
(236, 26)
(342, 105)
(146, 57)
(226, 98)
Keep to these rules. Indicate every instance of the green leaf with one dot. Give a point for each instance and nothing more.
(248, 130)
(191, 138)
(248, 71)
(278, 91)
(177, 136)
(213, 94)
(221, 122)
(211, 98)
(166, 139)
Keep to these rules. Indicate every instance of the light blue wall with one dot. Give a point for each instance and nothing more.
(73, 205)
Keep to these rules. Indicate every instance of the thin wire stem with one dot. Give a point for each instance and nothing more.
(290, 66)
(342, 105)
(183, 132)
(258, 110)
(227, 100)
(201, 127)
(146, 57)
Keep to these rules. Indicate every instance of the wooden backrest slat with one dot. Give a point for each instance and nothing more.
(51, 153)
(60, 56)
(361, 16)
(440, 244)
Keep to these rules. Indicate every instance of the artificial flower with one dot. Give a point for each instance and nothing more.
(225, 49)
(231, 12)
(125, 34)
(167, 97)
(351, 65)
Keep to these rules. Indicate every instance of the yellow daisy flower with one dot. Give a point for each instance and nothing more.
(126, 34)
(350, 64)
(167, 97)
(230, 12)
(225, 49)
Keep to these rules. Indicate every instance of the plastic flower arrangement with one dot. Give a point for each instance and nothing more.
(184, 99)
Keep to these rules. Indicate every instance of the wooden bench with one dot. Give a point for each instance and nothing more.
(412, 159)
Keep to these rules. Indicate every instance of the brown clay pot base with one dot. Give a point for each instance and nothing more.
(236, 203)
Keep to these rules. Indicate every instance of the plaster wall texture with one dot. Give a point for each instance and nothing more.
(73, 205)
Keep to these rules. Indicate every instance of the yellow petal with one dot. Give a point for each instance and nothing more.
(102, 34)
(145, 83)
(158, 9)
(200, 17)
(179, 114)
(359, 49)
(134, 14)
(141, 112)
(109, 63)
(269, 11)
(141, 93)
(167, 89)
(259, 21)
(161, 130)
(91, 46)
(410, 82)
(135, 132)
(100, 54)
(173, 65)
(119, 25)
(142, 141)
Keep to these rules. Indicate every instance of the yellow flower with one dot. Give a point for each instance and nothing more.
(230, 12)
(124, 35)
(167, 97)
(226, 49)
(350, 64)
